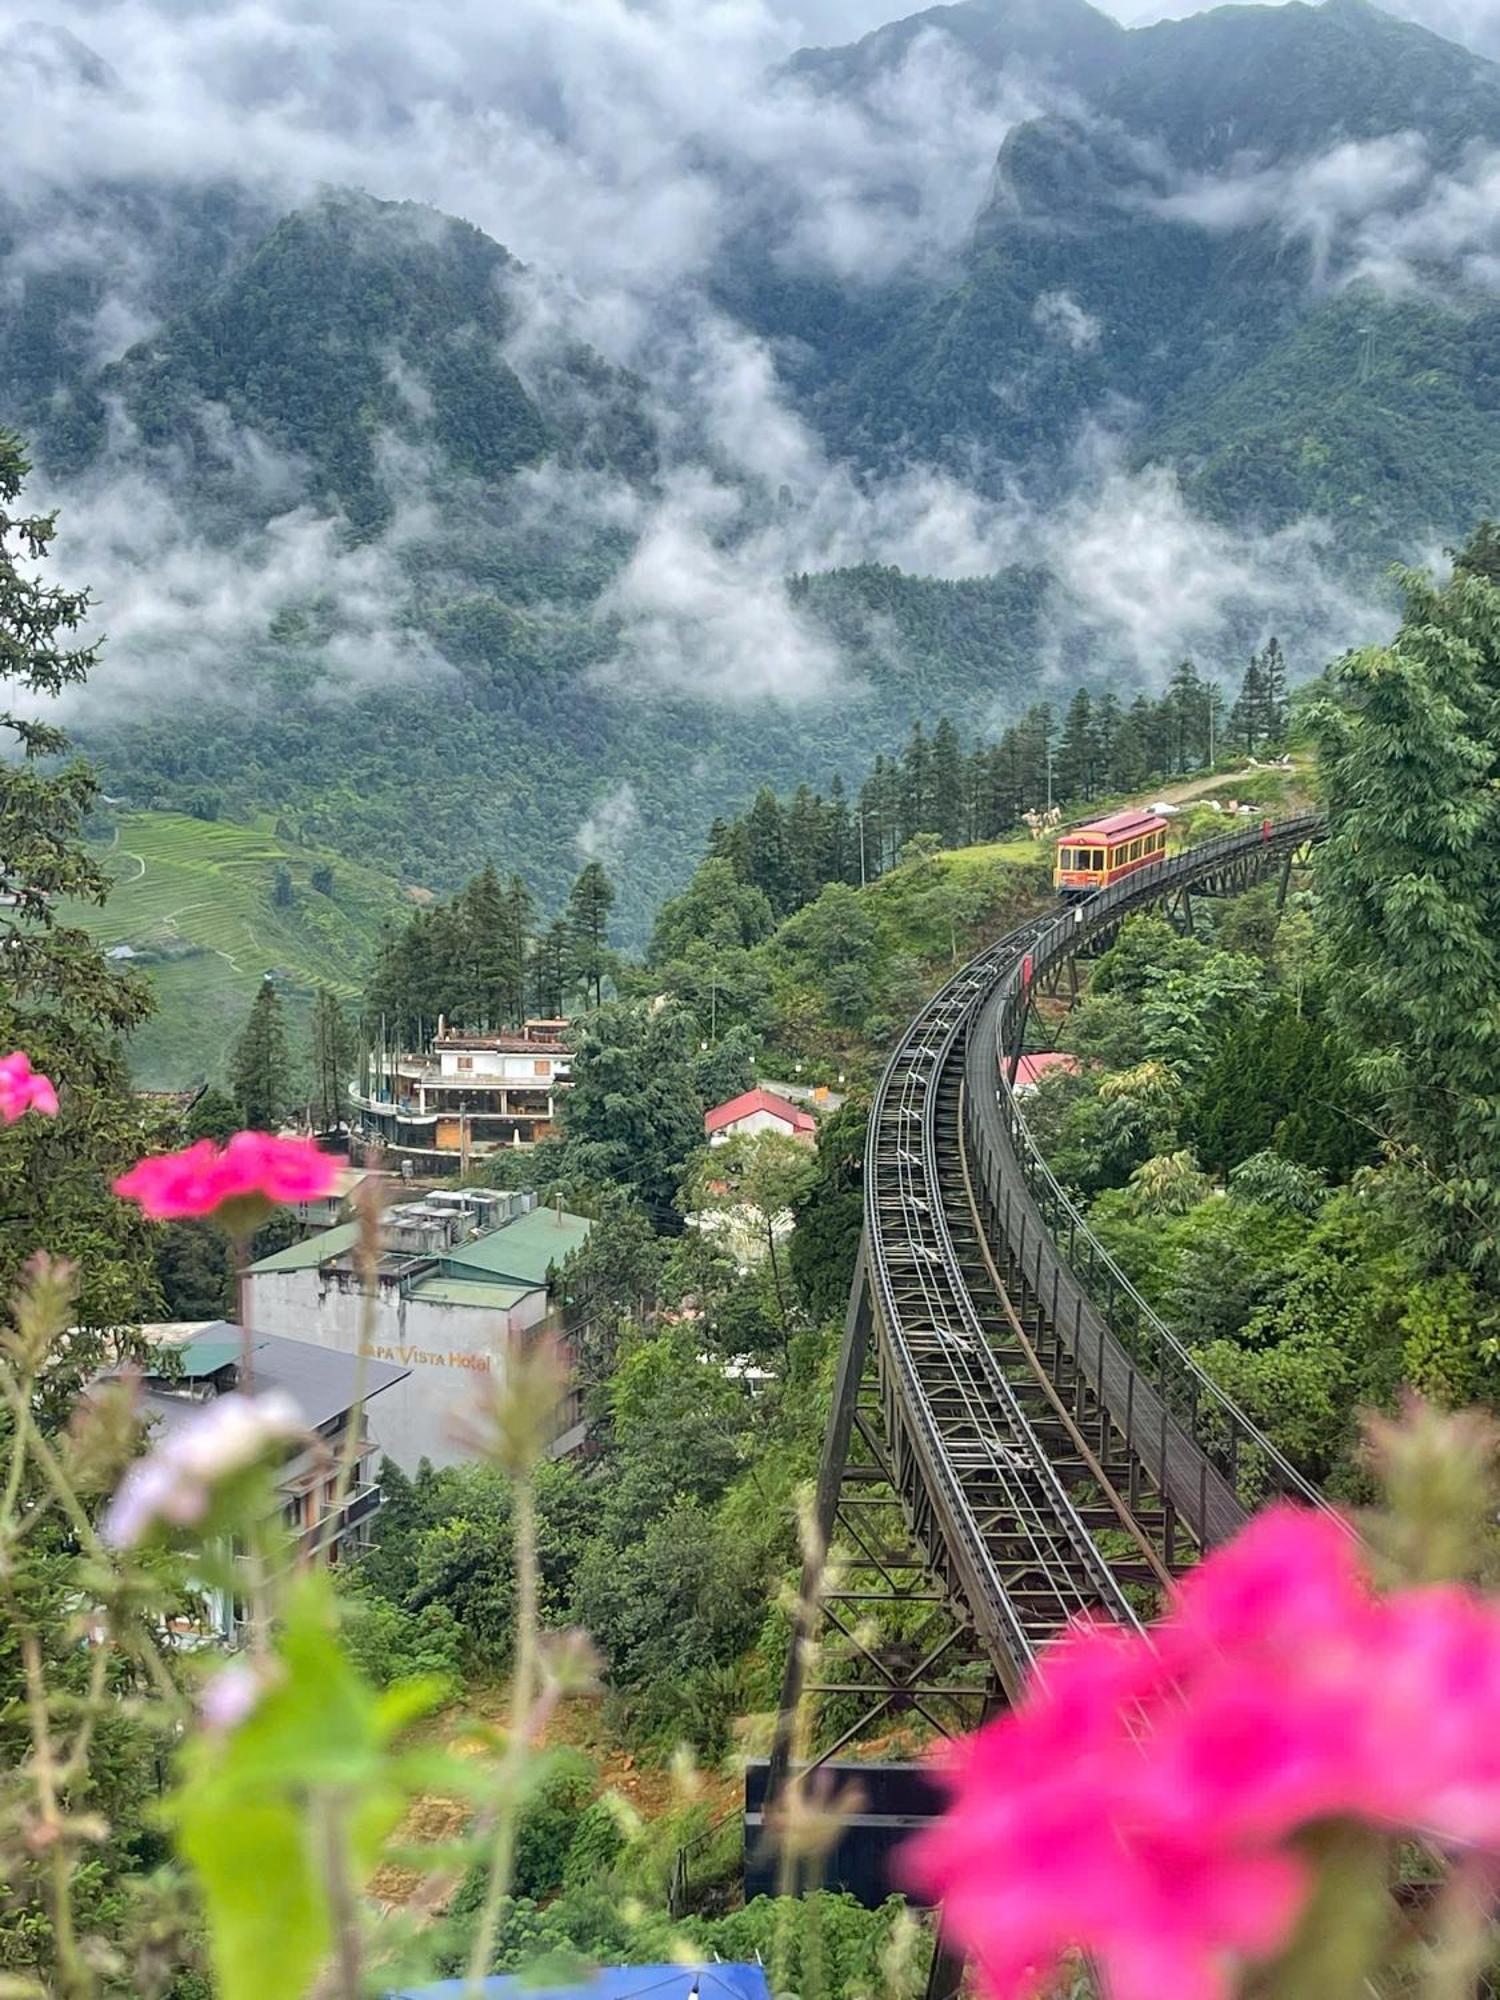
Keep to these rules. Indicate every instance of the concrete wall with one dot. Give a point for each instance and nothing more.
(450, 1350)
(753, 1122)
(533, 1068)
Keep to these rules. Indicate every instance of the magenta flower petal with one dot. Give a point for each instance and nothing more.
(1141, 1802)
(253, 1166)
(24, 1089)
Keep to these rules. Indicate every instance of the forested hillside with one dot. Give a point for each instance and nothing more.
(437, 536)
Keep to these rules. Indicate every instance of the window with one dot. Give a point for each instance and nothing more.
(541, 1069)
(1068, 858)
(466, 1062)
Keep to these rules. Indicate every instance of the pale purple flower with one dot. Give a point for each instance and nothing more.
(230, 1697)
(173, 1484)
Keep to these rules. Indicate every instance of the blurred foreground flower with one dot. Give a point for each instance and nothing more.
(230, 1697)
(24, 1089)
(1148, 1802)
(174, 1484)
(249, 1176)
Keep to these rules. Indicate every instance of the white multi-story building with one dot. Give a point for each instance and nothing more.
(463, 1278)
(464, 1097)
(332, 1393)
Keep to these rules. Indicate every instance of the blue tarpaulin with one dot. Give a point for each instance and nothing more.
(617, 1982)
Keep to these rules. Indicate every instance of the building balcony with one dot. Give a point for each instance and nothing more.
(363, 1503)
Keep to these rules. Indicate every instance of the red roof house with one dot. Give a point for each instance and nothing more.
(759, 1111)
(1032, 1069)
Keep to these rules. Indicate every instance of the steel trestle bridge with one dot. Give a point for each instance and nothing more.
(1015, 1436)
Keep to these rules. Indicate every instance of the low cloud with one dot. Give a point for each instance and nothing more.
(1141, 578)
(182, 607)
(1063, 320)
(608, 829)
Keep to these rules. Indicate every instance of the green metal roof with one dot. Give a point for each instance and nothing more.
(470, 1292)
(207, 1357)
(316, 1250)
(521, 1250)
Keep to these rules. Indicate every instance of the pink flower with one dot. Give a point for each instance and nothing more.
(173, 1485)
(231, 1696)
(254, 1169)
(1140, 1802)
(24, 1089)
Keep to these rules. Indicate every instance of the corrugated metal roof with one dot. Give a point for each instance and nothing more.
(321, 1381)
(482, 1295)
(759, 1099)
(316, 1250)
(520, 1251)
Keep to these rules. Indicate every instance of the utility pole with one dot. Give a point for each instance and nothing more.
(862, 844)
(1049, 777)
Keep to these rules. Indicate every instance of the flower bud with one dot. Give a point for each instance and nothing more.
(1438, 1470)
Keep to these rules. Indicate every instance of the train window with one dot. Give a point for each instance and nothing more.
(1068, 858)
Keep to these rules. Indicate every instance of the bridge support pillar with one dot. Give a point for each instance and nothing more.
(847, 1377)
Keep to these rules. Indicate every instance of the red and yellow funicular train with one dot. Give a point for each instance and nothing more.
(1091, 857)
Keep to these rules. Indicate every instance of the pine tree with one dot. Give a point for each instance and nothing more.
(916, 786)
(487, 981)
(1248, 716)
(948, 808)
(59, 1000)
(1273, 671)
(1073, 773)
(1187, 718)
(550, 988)
(765, 851)
(332, 1061)
(520, 921)
(839, 843)
(806, 856)
(259, 1068)
(589, 904)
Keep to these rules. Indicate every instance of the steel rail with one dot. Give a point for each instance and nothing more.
(1203, 1449)
(973, 1474)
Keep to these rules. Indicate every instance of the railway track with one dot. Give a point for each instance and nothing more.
(1004, 1397)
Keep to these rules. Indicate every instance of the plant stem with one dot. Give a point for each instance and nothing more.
(1463, 1936)
(502, 1854)
(1344, 1937)
(74, 1974)
(343, 1906)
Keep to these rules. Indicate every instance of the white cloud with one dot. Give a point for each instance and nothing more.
(711, 619)
(618, 141)
(1139, 572)
(1376, 211)
(180, 606)
(1062, 319)
(616, 145)
(606, 831)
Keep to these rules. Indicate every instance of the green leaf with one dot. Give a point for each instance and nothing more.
(251, 1811)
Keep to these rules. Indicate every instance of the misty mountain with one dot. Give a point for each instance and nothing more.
(353, 328)
(1004, 347)
(1225, 240)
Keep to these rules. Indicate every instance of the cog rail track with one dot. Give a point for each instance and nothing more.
(1004, 1395)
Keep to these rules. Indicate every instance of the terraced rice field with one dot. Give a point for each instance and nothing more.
(193, 898)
